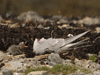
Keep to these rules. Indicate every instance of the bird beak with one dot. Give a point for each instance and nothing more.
(25, 46)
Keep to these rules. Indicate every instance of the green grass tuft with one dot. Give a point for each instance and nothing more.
(93, 58)
(65, 69)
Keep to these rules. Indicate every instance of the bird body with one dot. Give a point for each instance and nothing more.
(56, 45)
(16, 49)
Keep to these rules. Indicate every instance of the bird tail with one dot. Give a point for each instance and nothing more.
(72, 45)
(71, 39)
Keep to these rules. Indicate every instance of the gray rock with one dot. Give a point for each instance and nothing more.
(30, 15)
(97, 67)
(2, 53)
(15, 59)
(88, 55)
(58, 17)
(34, 59)
(23, 25)
(40, 26)
(90, 74)
(62, 21)
(89, 21)
(23, 60)
(48, 20)
(55, 59)
(97, 29)
(7, 72)
(20, 70)
(36, 62)
(15, 73)
(96, 73)
(47, 28)
(8, 14)
(15, 64)
(38, 73)
(1, 73)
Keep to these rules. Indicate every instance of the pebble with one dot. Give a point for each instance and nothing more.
(15, 73)
(19, 63)
(62, 21)
(1, 73)
(97, 29)
(97, 67)
(38, 73)
(55, 59)
(30, 15)
(7, 72)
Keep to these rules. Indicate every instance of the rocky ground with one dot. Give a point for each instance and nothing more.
(24, 28)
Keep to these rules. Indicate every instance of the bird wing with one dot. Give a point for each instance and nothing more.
(55, 42)
(67, 47)
(71, 39)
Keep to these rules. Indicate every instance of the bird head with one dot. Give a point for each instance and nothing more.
(22, 44)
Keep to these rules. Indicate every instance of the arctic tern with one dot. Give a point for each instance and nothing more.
(42, 45)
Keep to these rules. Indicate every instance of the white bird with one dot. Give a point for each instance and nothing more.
(40, 46)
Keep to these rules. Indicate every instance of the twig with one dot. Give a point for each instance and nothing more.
(52, 33)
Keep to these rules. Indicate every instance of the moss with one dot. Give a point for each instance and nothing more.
(65, 69)
(93, 58)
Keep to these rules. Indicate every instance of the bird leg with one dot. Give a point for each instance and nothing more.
(73, 57)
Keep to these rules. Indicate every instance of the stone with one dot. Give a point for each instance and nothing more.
(30, 15)
(48, 66)
(13, 65)
(15, 73)
(62, 21)
(47, 28)
(96, 73)
(2, 56)
(8, 14)
(87, 20)
(89, 55)
(77, 74)
(40, 26)
(2, 53)
(1, 73)
(97, 29)
(15, 59)
(55, 59)
(56, 17)
(23, 25)
(13, 25)
(35, 62)
(22, 60)
(7, 72)
(97, 67)
(38, 73)
(20, 70)
(40, 57)
(10, 68)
